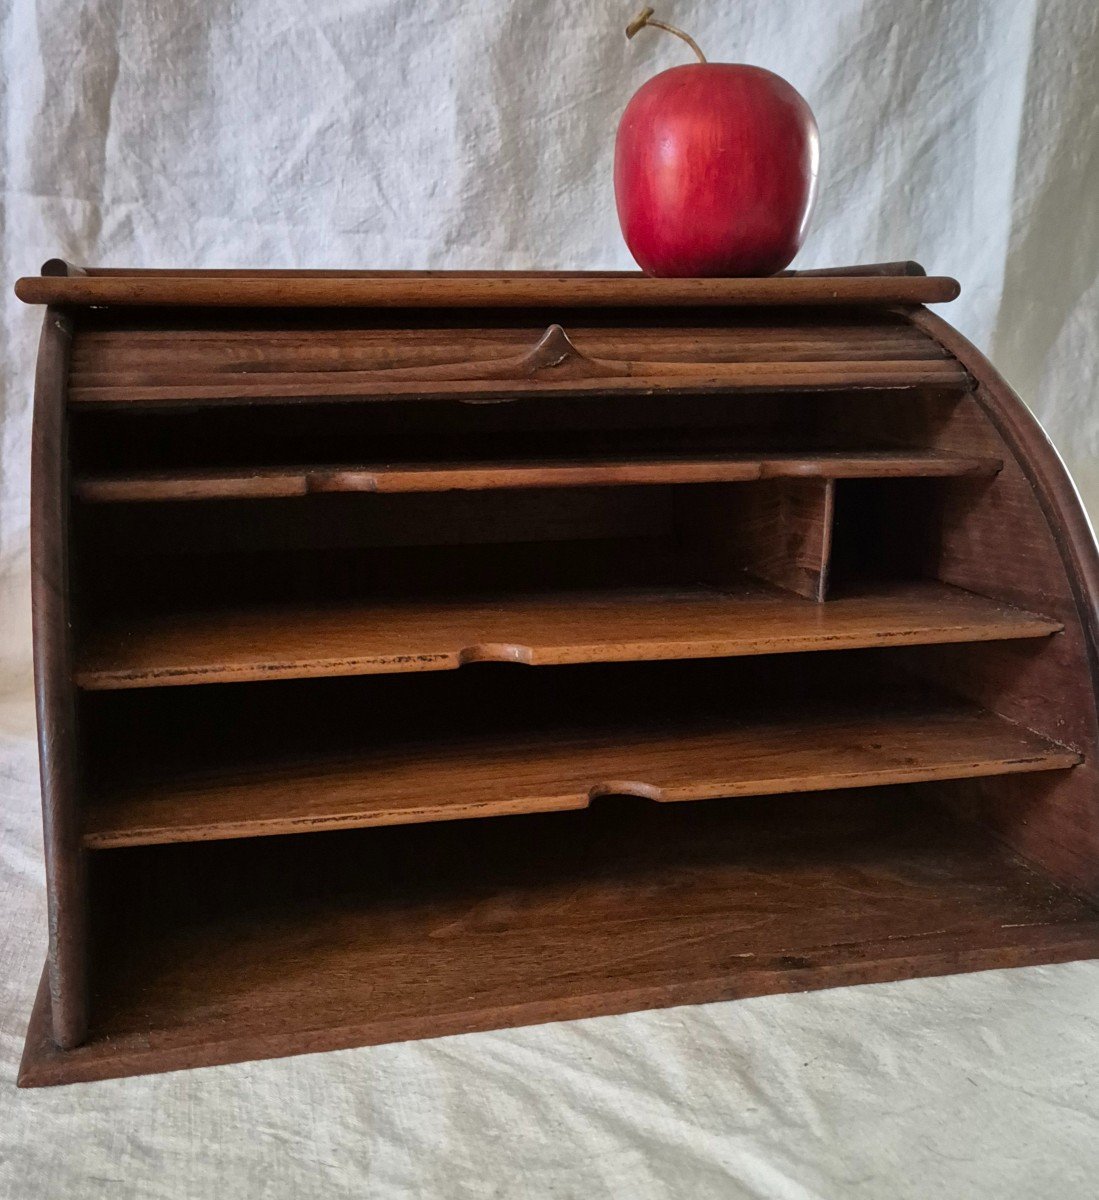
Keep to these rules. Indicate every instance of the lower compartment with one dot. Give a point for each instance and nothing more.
(493, 739)
(256, 948)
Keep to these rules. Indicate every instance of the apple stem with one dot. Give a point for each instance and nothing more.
(645, 17)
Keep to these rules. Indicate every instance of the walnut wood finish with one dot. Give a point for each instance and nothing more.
(632, 379)
(182, 358)
(325, 941)
(58, 266)
(65, 866)
(779, 531)
(549, 468)
(254, 290)
(473, 476)
(557, 767)
(114, 349)
(1057, 828)
(618, 625)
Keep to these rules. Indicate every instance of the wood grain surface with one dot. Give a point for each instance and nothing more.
(779, 530)
(280, 784)
(1026, 538)
(468, 291)
(474, 476)
(702, 378)
(58, 266)
(285, 642)
(58, 753)
(223, 951)
(493, 356)
(857, 479)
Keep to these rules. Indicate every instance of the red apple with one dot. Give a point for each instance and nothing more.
(715, 169)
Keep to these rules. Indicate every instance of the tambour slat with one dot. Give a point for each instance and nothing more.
(368, 348)
(711, 377)
(183, 359)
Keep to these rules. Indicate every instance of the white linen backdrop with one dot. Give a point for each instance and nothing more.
(375, 133)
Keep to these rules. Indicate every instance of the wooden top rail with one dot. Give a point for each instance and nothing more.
(58, 266)
(65, 285)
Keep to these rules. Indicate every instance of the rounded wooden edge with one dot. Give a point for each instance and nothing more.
(54, 694)
(1043, 467)
(904, 267)
(58, 266)
(499, 290)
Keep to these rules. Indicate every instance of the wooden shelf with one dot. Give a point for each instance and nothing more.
(269, 782)
(293, 945)
(614, 625)
(469, 476)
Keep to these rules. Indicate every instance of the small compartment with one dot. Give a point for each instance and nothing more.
(344, 585)
(896, 528)
(470, 575)
(469, 542)
(441, 432)
(151, 454)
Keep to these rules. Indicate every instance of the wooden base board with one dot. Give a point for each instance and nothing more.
(350, 939)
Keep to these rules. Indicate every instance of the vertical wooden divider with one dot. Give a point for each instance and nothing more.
(779, 530)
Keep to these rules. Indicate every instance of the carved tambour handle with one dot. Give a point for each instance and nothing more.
(553, 352)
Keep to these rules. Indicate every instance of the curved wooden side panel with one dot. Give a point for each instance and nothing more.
(65, 864)
(1046, 472)
(1028, 541)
